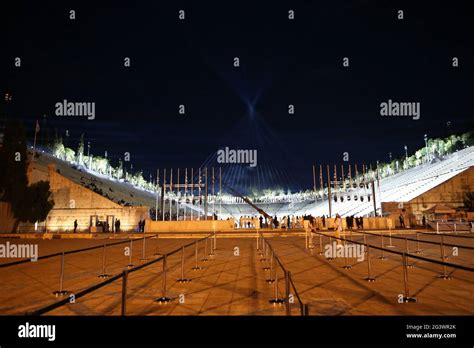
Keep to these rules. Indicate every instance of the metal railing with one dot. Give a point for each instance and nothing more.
(264, 248)
(63, 253)
(124, 276)
(454, 226)
(405, 255)
(442, 244)
(446, 234)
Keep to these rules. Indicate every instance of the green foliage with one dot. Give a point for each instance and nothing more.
(436, 148)
(69, 154)
(100, 164)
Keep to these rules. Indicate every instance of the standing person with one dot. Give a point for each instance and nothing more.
(261, 221)
(324, 220)
(75, 226)
(338, 227)
(143, 226)
(117, 225)
(361, 222)
(140, 225)
(351, 221)
(402, 221)
(423, 221)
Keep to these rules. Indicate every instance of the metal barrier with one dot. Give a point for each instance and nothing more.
(111, 279)
(419, 251)
(14, 263)
(405, 265)
(104, 274)
(445, 234)
(61, 291)
(266, 247)
(418, 240)
(454, 226)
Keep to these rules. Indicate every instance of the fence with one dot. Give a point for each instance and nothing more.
(264, 248)
(405, 255)
(124, 277)
(63, 253)
(450, 226)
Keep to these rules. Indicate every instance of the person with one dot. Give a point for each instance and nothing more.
(117, 225)
(338, 227)
(75, 226)
(140, 225)
(423, 221)
(402, 221)
(261, 221)
(324, 220)
(143, 226)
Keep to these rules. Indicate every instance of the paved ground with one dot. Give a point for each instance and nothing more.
(333, 290)
(234, 283)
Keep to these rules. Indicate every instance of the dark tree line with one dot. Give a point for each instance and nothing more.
(29, 203)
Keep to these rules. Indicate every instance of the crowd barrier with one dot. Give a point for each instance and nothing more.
(110, 279)
(405, 256)
(264, 248)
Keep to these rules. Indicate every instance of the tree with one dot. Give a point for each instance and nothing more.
(13, 157)
(469, 201)
(35, 204)
(28, 203)
(80, 151)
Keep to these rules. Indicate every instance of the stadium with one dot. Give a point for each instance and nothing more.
(171, 171)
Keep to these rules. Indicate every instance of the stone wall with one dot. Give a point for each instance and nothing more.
(450, 193)
(190, 226)
(75, 202)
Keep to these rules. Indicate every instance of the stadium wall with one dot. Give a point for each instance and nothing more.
(190, 226)
(75, 202)
(450, 193)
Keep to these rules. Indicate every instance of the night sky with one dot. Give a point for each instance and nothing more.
(282, 62)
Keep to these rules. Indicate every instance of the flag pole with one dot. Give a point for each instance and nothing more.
(34, 141)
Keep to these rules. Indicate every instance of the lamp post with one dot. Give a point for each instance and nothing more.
(67, 136)
(448, 136)
(88, 153)
(406, 156)
(426, 146)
